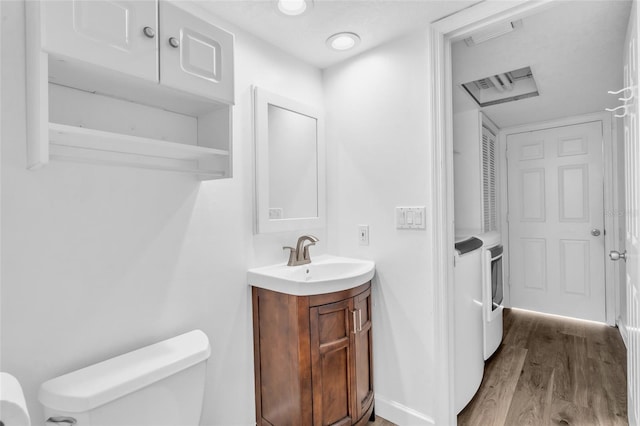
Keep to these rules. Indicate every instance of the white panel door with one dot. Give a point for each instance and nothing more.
(632, 215)
(119, 35)
(556, 219)
(195, 56)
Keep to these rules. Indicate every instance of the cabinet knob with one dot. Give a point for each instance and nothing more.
(173, 42)
(149, 32)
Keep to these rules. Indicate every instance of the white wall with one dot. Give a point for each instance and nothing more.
(467, 173)
(378, 143)
(101, 260)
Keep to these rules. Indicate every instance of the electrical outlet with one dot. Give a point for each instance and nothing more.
(363, 235)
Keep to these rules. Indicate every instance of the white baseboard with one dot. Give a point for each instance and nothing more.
(622, 327)
(400, 414)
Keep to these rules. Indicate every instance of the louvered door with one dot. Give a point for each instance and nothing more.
(489, 181)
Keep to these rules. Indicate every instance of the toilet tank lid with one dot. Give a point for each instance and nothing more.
(93, 386)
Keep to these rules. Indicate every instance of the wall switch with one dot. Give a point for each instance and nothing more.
(363, 235)
(411, 217)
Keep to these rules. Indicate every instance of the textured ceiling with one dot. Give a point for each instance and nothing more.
(575, 52)
(304, 36)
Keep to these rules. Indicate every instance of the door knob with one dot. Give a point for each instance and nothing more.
(595, 232)
(173, 42)
(616, 255)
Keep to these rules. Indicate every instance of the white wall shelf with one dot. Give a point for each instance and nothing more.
(96, 146)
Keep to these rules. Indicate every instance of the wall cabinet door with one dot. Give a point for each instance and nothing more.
(363, 354)
(109, 34)
(195, 56)
(331, 363)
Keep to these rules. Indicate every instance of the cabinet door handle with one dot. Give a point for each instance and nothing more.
(355, 330)
(360, 316)
(173, 42)
(149, 32)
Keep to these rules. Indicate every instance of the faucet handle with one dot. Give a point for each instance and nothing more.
(292, 255)
(305, 251)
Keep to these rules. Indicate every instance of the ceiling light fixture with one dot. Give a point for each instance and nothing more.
(492, 32)
(343, 41)
(292, 7)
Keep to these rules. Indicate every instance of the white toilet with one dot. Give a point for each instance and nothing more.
(158, 385)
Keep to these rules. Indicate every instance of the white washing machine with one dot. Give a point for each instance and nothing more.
(492, 291)
(468, 360)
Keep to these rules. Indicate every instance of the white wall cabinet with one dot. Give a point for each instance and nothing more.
(195, 56)
(104, 33)
(143, 84)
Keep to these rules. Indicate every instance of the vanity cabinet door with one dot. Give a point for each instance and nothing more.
(313, 358)
(195, 57)
(118, 35)
(363, 354)
(331, 328)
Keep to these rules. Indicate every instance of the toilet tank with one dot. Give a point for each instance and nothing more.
(158, 385)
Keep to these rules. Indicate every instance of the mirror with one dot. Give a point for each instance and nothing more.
(290, 164)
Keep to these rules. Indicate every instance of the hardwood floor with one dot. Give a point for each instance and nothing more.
(552, 371)
(381, 422)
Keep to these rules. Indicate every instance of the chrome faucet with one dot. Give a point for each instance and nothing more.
(300, 254)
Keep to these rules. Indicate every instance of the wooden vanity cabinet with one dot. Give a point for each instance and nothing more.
(313, 357)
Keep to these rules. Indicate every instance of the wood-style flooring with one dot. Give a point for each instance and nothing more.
(552, 371)
(381, 422)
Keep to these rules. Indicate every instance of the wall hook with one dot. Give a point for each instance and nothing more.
(619, 91)
(616, 108)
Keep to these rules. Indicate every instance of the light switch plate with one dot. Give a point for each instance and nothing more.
(411, 217)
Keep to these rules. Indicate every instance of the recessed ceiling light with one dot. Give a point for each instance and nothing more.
(292, 7)
(343, 41)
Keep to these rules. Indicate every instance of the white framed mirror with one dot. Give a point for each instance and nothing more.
(290, 164)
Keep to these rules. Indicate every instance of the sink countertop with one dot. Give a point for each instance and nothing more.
(325, 274)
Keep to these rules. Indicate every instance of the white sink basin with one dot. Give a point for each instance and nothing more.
(325, 274)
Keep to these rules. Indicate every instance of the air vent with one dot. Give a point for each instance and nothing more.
(492, 32)
(504, 87)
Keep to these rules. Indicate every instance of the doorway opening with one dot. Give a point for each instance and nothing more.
(444, 34)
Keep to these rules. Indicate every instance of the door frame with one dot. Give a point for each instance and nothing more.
(441, 34)
(610, 200)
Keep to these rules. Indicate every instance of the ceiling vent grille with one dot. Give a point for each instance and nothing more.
(504, 87)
